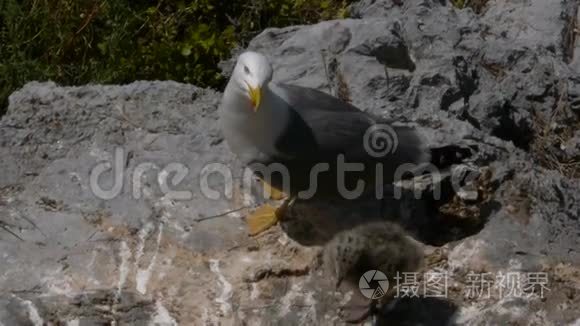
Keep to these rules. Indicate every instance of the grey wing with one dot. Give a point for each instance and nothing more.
(304, 98)
(337, 132)
(321, 125)
(324, 126)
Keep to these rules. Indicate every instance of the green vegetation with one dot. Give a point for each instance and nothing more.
(477, 5)
(75, 42)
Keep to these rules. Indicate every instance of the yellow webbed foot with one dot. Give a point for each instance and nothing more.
(262, 219)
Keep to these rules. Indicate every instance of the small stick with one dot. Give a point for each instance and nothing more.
(205, 218)
(326, 72)
(11, 232)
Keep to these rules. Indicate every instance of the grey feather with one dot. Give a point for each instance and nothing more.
(322, 126)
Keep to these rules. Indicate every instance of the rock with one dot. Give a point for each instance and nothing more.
(572, 147)
(122, 203)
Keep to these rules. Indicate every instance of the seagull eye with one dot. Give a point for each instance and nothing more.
(246, 70)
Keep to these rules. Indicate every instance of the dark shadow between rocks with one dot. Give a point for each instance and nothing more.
(430, 209)
(312, 223)
(512, 127)
(422, 217)
(432, 311)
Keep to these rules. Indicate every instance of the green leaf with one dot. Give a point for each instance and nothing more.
(102, 46)
(186, 51)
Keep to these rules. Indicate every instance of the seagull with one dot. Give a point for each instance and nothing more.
(313, 136)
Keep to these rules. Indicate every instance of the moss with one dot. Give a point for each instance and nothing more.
(477, 5)
(75, 42)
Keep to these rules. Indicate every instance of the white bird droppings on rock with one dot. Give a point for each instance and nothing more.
(143, 275)
(125, 254)
(162, 316)
(226, 294)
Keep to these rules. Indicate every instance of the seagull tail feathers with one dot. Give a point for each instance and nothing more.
(410, 147)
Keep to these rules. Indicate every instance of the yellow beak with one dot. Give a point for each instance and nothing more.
(256, 97)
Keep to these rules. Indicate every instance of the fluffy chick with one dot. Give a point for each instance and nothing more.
(382, 246)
